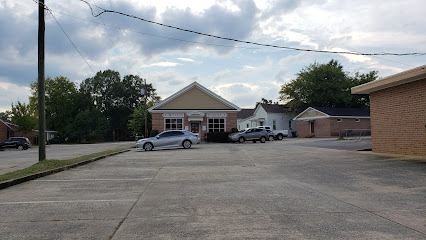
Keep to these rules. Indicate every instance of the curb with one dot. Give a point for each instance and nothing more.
(16, 181)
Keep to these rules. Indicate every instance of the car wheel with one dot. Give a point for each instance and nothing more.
(280, 137)
(20, 147)
(271, 138)
(241, 140)
(186, 144)
(263, 139)
(148, 146)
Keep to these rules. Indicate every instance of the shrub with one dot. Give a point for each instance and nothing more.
(221, 137)
(234, 130)
(154, 132)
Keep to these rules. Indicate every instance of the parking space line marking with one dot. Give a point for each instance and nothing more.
(92, 179)
(69, 201)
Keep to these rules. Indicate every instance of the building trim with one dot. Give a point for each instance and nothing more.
(203, 89)
(391, 81)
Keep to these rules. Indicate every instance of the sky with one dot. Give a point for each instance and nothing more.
(172, 59)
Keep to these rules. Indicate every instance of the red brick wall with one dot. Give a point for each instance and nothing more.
(398, 119)
(158, 123)
(348, 123)
(321, 129)
(327, 127)
(3, 132)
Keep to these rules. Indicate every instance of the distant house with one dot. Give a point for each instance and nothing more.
(327, 121)
(196, 109)
(242, 115)
(398, 112)
(275, 115)
(8, 130)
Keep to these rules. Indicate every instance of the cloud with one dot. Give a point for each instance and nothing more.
(162, 64)
(248, 67)
(11, 93)
(186, 59)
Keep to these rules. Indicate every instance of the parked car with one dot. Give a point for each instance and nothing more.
(278, 134)
(169, 139)
(253, 134)
(20, 143)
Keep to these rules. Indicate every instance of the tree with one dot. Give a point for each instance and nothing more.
(137, 122)
(117, 98)
(89, 126)
(6, 115)
(265, 101)
(324, 85)
(61, 103)
(24, 117)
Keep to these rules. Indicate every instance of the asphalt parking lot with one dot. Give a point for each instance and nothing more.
(12, 159)
(291, 189)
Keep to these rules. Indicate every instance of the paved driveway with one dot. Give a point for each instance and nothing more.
(276, 190)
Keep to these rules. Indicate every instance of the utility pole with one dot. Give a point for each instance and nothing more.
(146, 123)
(41, 92)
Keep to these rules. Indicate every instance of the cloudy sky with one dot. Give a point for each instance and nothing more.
(172, 59)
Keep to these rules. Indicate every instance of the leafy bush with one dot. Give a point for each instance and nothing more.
(221, 137)
(154, 132)
(234, 130)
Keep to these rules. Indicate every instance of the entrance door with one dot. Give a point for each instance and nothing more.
(312, 126)
(195, 127)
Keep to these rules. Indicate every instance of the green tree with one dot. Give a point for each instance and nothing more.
(89, 126)
(324, 85)
(137, 121)
(24, 117)
(6, 115)
(117, 98)
(61, 102)
(265, 101)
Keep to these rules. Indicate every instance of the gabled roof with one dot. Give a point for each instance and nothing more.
(408, 76)
(245, 113)
(8, 124)
(195, 85)
(324, 112)
(358, 112)
(274, 108)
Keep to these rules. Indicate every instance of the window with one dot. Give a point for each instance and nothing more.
(173, 124)
(274, 125)
(248, 125)
(289, 124)
(339, 120)
(216, 124)
(260, 123)
(357, 120)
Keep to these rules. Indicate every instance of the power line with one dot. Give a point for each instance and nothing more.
(154, 35)
(51, 13)
(188, 41)
(248, 42)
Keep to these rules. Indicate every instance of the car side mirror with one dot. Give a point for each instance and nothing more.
(158, 136)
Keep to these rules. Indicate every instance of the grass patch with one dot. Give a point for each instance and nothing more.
(53, 164)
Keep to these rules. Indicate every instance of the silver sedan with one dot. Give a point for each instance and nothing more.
(169, 139)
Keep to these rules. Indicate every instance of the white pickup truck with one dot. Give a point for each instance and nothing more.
(278, 134)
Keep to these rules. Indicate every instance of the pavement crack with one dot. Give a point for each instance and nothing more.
(134, 204)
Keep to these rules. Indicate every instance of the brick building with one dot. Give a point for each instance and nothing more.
(398, 112)
(327, 122)
(8, 130)
(195, 109)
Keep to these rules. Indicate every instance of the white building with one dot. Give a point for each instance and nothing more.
(275, 115)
